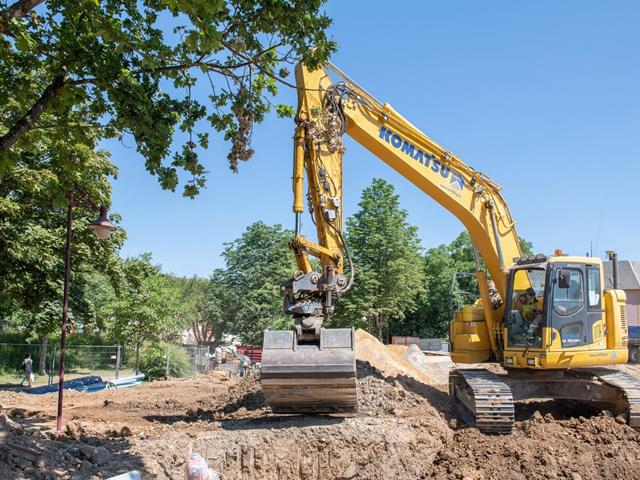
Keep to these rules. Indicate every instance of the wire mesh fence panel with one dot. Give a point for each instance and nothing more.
(13, 354)
(107, 361)
(199, 357)
(187, 361)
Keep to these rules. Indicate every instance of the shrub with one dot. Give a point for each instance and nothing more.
(153, 361)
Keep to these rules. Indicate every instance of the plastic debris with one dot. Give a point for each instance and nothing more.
(76, 383)
(197, 469)
(132, 475)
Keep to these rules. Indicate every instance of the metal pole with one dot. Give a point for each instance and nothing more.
(118, 362)
(298, 223)
(65, 306)
(138, 358)
(166, 370)
(613, 258)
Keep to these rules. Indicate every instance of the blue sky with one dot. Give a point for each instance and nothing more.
(541, 96)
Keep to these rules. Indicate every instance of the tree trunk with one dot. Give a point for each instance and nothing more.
(195, 326)
(24, 124)
(42, 368)
(379, 322)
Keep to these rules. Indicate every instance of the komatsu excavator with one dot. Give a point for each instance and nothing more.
(546, 319)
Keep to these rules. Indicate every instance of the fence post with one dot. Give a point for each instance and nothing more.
(166, 371)
(195, 368)
(138, 358)
(118, 362)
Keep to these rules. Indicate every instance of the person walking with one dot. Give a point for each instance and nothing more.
(27, 367)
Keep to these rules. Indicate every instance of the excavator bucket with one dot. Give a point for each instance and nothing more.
(315, 377)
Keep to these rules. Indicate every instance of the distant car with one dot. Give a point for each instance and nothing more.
(634, 344)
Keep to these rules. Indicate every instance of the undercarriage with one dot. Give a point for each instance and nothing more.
(490, 397)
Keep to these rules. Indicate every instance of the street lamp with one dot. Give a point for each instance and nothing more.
(103, 229)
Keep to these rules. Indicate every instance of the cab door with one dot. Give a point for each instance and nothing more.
(595, 309)
(568, 306)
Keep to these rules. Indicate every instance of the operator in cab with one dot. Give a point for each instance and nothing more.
(526, 304)
(528, 328)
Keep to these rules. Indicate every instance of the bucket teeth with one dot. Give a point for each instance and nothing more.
(309, 378)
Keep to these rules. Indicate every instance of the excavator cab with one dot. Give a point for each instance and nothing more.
(524, 309)
(555, 315)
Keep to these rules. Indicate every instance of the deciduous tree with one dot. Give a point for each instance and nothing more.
(146, 307)
(132, 66)
(256, 265)
(449, 283)
(386, 253)
(33, 199)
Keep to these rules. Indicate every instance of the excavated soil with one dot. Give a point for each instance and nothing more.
(404, 430)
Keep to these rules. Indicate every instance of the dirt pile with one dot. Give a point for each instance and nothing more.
(545, 448)
(435, 366)
(405, 429)
(402, 360)
(28, 452)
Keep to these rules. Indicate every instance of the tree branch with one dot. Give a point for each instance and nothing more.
(17, 10)
(24, 124)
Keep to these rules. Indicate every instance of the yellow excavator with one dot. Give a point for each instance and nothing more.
(547, 320)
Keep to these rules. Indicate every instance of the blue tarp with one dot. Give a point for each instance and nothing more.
(76, 383)
(634, 333)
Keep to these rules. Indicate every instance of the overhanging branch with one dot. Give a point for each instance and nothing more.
(17, 10)
(25, 123)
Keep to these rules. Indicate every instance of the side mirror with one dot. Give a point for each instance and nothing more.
(564, 279)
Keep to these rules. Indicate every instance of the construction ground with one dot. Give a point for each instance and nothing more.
(407, 428)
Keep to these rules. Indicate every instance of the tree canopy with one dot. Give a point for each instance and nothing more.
(450, 283)
(119, 67)
(256, 265)
(147, 308)
(34, 194)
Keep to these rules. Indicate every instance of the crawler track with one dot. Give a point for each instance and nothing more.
(629, 387)
(487, 397)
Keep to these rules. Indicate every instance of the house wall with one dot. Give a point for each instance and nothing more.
(633, 307)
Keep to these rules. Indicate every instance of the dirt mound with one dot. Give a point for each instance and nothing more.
(435, 366)
(389, 359)
(28, 452)
(545, 448)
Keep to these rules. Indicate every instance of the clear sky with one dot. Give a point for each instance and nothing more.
(544, 97)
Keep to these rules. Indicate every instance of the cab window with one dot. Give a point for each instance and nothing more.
(593, 287)
(525, 309)
(568, 297)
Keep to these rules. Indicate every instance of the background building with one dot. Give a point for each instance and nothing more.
(629, 281)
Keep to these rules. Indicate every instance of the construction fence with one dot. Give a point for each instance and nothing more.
(108, 361)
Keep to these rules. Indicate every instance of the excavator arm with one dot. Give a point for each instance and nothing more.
(311, 368)
(327, 110)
